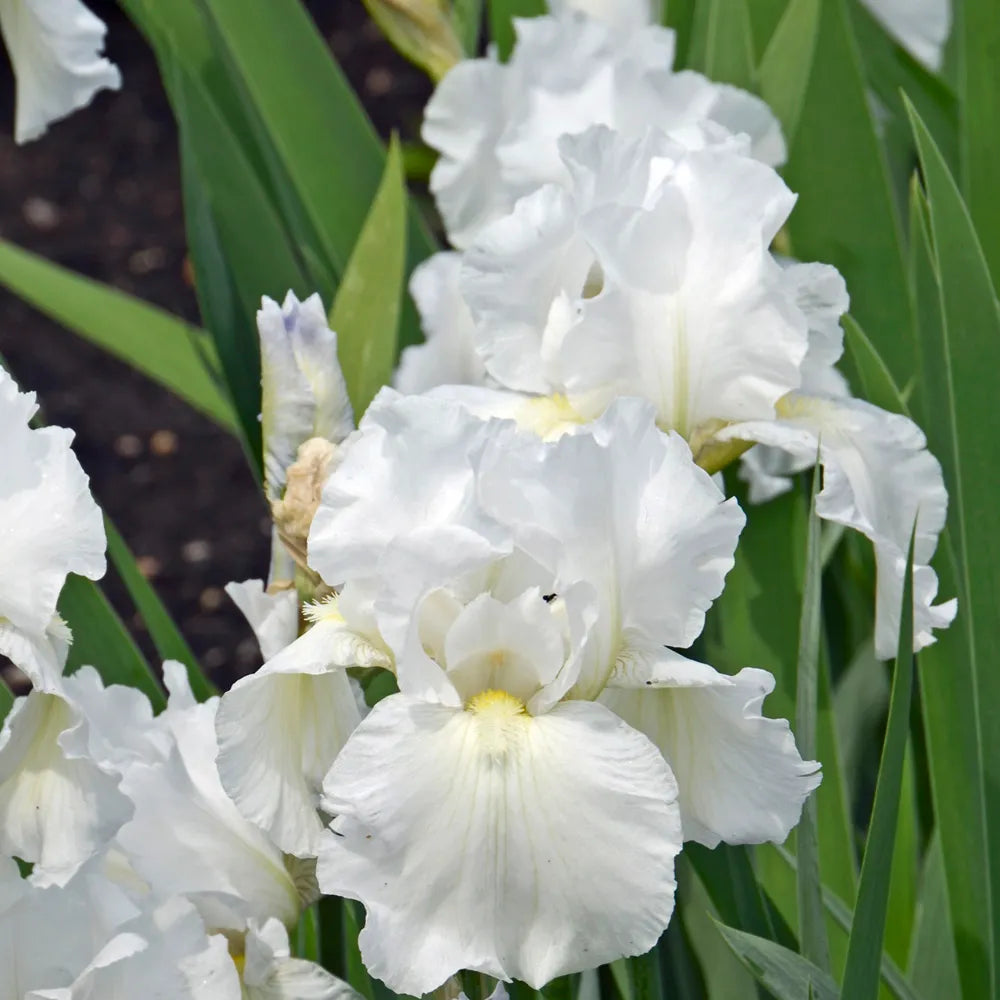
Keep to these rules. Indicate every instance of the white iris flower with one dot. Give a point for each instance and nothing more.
(527, 597)
(651, 275)
(497, 125)
(55, 47)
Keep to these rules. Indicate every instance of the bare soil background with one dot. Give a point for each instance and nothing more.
(100, 193)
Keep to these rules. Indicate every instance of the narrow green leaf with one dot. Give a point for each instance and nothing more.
(719, 972)
(681, 973)
(786, 974)
(284, 64)
(864, 950)
(330, 912)
(812, 933)
(365, 313)
(841, 916)
(644, 973)
(961, 689)
(355, 972)
(905, 856)
(891, 71)
(877, 384)
(218, 298)
(722, 42)
(620, 978)
(933, 961)
(159, 345)
(679, 15)
(307, 935)
(728, 877)
(102, 641)
(978, 31)
(765, 15)
(846, 214)
(467, 16)
(6, 699)
(169, 643)
(502, 14)
(231, 216)
(786, 64)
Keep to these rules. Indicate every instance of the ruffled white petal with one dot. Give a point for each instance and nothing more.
(448, 357)
(280, 729)
(411, 466)
(920, 26)
(480, 841)
(224, 864)
(48, 936)
(626, 15)
(55, 47)
(651, 532)
(497, 126)
(739, 774)
(303, 390)
(52, 525)
(655, 280)
(270, 973)
(164, 954)
(463, 121)
(878, 478)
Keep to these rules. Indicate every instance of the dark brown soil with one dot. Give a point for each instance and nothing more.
(100, 193)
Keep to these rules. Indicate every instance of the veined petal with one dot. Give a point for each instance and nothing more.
(57, 807)
(739, 774)
(448, 357)
(878, 478)
(55, 48)
(270, 973)
(280, 729)
(478, 840)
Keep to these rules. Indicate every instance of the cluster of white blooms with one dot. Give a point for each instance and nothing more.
(520, 541)
(639, 264)
(145, 879)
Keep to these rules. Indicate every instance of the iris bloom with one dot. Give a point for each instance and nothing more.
(55, 47)
(497, 125)
(498, 814)
(651, 275)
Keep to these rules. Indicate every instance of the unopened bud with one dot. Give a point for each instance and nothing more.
(422, 31)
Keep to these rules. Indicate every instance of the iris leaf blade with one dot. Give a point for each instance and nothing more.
(162, 347)
(864, 949)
